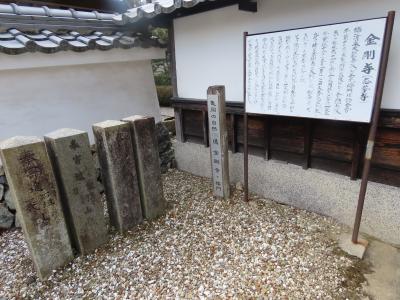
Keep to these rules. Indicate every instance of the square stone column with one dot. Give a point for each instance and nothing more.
(33, 187)
(69, 151)
(115, 152)
(148, 165)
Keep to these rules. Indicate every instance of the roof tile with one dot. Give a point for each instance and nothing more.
(150, 10)
(15, 41)
(44, 11)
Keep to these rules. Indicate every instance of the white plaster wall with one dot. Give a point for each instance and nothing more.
(39, 100)
(209, 46)
(69, 58)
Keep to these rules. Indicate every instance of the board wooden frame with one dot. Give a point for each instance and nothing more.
(373, 121)
(300, 28)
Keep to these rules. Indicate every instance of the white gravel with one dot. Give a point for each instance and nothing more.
(202, 248)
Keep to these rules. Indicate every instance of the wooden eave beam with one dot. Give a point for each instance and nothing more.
(248, 5)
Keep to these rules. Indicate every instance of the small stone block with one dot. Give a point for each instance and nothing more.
(9, 200)
(17, 223)
(33, 187)
(115, 152)
(148, 165)
(69, 151)
(346, 244)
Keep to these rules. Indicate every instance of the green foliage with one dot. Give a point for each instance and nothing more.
(164, 94)
(162, 80)
(161, 71)
(161, 33)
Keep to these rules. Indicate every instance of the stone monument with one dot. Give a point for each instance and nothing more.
(73, 164)
(33, 187)
(115, 152)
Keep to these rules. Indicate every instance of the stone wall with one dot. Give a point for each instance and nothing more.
(7, 206)
(165, 148)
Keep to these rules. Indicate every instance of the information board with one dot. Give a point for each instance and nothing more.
(323, 72)
(215, 144)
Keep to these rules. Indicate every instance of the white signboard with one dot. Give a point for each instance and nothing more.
(215, 144)
(324, 72)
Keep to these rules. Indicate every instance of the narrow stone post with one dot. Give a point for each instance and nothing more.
(33, 187)
(115, 152)
(218, 141)
(148, 165)
(69, 151)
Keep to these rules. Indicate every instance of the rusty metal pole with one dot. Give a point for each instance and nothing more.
(374, 124)
(245, 142)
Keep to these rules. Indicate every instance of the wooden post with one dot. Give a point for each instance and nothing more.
(179, 124)
(245, 142)
(218, 141)
(308, 133)
(233, 133)
(374, 125)
(205, 129)
(172, 58)
(174, 82)
(267, 138)
(356, 156)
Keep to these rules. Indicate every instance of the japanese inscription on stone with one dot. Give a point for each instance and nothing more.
(215, 144)
(33, 186)
(324, 72)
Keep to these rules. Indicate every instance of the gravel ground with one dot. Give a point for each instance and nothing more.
(202, 248)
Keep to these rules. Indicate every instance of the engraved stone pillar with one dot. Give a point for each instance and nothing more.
(33, 187)
(218, 140)
(73, 164)
(115, 151)
(148, 165)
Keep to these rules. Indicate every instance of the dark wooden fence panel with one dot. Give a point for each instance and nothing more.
(329, 145)
(387, 148)
(333, 140)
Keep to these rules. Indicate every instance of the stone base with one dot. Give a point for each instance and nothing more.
(350, 248)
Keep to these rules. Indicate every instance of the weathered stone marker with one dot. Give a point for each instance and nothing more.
(148, 165)
(70, 153)
(33, 187)
(115, 152)
(218, 140)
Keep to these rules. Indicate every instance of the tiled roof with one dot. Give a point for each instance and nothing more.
(41, 29)
(14, 41)
(44, 11)
(152, 9)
